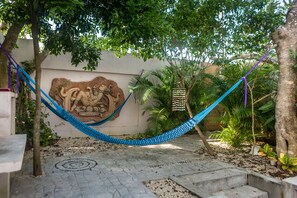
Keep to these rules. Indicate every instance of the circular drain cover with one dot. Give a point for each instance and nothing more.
(76, 164)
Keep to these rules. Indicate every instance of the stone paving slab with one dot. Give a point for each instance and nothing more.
(117, 174)
(205, 183)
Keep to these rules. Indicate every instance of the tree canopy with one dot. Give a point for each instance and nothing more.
(199, 30)
(202, 29)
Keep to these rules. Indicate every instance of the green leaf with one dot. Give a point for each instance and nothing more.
(284, 167)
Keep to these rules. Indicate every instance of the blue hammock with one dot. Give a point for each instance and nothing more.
(167, 136)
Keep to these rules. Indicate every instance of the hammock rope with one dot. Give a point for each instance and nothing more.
(248, 73)
(167, 136)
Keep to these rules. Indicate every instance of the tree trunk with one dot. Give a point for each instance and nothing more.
(201, 135)
(36, 134)
(285, 112)
(9, 42)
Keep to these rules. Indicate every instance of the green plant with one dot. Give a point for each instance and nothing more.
(155, 89)
(288, 163)
(237, 121)
(268, 110)
(266, 150)
(25, 120)
(47, 135)
(234, 133)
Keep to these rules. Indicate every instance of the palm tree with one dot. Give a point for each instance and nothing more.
(156, 87)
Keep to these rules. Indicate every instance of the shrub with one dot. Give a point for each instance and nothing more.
(266, 150)
(25, 124)
(236, 120)
(288, 163)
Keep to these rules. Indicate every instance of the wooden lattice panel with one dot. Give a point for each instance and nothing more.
(178, 99)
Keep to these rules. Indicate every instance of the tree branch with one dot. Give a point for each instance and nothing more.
(253, 57)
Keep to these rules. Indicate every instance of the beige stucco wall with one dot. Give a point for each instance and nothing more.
(120, 70)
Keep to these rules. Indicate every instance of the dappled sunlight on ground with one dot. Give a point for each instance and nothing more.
(163, 146)
(220, 144)
(81, 147)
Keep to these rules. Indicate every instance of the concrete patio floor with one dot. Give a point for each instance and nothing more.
(112, 174)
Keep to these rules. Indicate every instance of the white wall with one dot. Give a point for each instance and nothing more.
(120, 70)
(7, 113)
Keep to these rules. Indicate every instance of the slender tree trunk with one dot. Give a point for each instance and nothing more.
(201, 135)
(253, 115)
(9, 42)
(285, 112)
(36, 134)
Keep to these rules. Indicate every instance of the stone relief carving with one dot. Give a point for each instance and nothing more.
(90, 101)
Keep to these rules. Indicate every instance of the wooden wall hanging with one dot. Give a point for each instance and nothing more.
(178, 99)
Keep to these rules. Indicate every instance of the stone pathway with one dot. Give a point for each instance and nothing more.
(112, 174)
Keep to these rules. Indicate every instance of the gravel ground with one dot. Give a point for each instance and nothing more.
(243, 159)
(70, 146)
(165, 188)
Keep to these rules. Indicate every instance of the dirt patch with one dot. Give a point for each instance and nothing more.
(243, 159)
